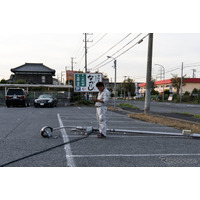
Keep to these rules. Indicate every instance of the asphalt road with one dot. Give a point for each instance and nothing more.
(20, 136)
(166, 107)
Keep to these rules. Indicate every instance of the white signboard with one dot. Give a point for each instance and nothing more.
(86, 82)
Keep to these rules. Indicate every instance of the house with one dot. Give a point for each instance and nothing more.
(33, 73)
(190, 84)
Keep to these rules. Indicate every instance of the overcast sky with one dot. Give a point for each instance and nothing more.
(51, 32)
(56, 49)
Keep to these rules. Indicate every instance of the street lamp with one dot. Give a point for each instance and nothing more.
(115, 67)
(163, 96)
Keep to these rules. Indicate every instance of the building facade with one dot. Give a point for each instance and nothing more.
(33, 73)
(190, 84)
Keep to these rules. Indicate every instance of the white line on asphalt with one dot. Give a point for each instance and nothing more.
(70, 160)
(131, 155)
(192, 106)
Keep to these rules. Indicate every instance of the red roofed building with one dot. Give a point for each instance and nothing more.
(190, 84)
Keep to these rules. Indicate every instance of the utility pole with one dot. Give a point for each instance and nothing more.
(148, 76)
(115, 84)
(181, 90)
(72, 63)
(86, 41)
(194, 75)
(115, 67)
(125, 87)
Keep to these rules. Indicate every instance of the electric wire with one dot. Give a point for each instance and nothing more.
(45, 150)
(127, 44)
(99, 65)
(109, 49)
(98, 41)
(79, 62)
(79, 47)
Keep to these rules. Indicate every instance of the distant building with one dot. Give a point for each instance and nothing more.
(33, 73)
(190, 84)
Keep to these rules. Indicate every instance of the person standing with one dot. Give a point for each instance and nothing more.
(100, 104)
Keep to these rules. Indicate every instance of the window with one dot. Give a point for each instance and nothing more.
(43, 79)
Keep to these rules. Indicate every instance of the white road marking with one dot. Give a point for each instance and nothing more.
(192, 106)
(131, 155)
(67, 148)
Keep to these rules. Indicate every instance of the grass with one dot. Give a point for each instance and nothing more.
(195, 128)
(195, 116)
(127, 105)
(185, 113)
(175, 123)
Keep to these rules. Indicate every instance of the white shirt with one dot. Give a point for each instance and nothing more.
(104, 96)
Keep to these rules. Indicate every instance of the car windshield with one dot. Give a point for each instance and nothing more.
(43, 96)
(15, 91)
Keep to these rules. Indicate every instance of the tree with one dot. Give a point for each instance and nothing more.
(153, 92)
(153, 84)
(176, 82)
(128, 86)
(3, 81)
(20, 81)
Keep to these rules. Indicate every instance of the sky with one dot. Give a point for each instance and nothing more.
(56, 49)
(51, 32)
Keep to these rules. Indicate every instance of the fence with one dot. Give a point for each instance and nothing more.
(63, 97)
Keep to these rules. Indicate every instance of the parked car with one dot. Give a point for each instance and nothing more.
(16, 96)
(45, 100)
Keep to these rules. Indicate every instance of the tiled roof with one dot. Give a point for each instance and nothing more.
(33, 67)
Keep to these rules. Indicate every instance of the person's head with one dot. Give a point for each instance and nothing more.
(100, 86)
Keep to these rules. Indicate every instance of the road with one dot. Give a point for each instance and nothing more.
(166, 107)
(20, 136)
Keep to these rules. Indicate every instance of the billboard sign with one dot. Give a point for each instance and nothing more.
(86, 82)
(70, 75)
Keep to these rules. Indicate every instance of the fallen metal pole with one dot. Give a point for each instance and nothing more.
(194, 135)
(47, 131)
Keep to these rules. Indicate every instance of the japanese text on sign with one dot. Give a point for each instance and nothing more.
(86, 82)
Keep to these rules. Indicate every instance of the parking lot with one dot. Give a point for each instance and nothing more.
(20, 136)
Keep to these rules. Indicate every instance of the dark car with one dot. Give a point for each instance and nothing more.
(45, 100)
(16, 96)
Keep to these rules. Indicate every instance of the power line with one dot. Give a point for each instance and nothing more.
(98, 41)
(79, 47)
(127, 44)
(110, 49)
(99, 65)
(80, 61)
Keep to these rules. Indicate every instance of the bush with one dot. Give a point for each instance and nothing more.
(153, 92)
(186, 98)
(166, 96)
(86, 102)
(187, 93)
(112, 95)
